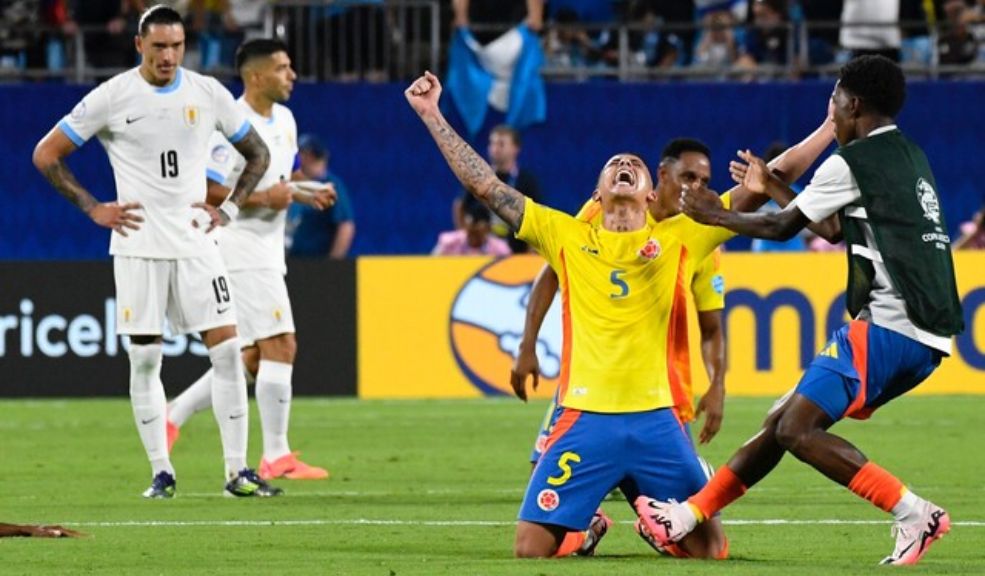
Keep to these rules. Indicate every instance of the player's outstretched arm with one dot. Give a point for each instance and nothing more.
(705, 207)
(779, 190)
(712, 404)
(795, 161)
(475, 174)
(30, 531)
(538, 303)
(788, 167)
(49, 158)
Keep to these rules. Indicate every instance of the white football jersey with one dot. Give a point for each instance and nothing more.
(255, 239)
(157, 141)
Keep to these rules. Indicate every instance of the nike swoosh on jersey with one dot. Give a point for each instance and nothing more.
(132, 120)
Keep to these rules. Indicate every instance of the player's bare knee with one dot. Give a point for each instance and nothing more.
(790, 434)
(280, 348)
(528, 549)
(251, 359)
(215, 336)
(534, 541)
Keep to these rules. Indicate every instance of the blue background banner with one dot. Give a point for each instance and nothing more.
(402, 190)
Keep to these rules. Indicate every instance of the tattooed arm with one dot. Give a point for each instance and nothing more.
(49, 159)
(475, 174)
(257, 157)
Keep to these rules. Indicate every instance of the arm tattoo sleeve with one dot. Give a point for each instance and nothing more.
(475, 174)
(257, 159)
(64, 181)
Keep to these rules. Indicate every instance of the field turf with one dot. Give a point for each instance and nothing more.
(433, 487)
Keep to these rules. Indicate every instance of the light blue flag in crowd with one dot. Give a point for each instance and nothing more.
(471, 84)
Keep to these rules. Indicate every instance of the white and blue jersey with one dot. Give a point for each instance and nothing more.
(157, 140)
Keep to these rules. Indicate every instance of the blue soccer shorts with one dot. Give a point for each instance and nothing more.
(588, 454)
(863, 367)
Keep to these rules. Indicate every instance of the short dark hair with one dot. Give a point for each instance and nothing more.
(510, 131)
(877, 81)
(312, 145)
(773, 150)
(159, 14)
(478, 212)
(678, 146)
(257, 48)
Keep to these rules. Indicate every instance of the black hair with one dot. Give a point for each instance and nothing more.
(510, 131)
(478, 212)
(158, 14)
(257, 48)
(773, 150)
(678, 146)
(877, 81)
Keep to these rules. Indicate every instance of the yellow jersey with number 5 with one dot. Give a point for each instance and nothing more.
(623, 302)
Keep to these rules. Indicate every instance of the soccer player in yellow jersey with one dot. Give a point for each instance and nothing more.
(623, 300)
(684, 162)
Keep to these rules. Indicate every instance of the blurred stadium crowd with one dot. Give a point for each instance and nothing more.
(380, 40)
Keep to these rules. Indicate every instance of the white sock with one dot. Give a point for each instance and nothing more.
(274, 401)
(229, 403)
(195, 398)
(908, 506)
(150, 404)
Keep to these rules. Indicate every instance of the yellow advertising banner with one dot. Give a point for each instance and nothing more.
(448, 327)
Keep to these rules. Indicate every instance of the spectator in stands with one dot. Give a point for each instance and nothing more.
(822, 40)
(17, 34)
(218, 32)
(883, 39)
(494, 60)
(113, 22)
(474, 238)
(489, 19)
(972, 233)
(355, 39)
(976, 19)
(654, 46)
(320, 234)
(568, 45)
(505, 144)
(767, 39)
(717, 48)
(956, 43)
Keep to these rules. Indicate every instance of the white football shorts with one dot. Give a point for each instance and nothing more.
(192, 294)
(263, 305)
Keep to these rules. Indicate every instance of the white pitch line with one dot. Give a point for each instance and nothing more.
(372, 522)
(370, 493)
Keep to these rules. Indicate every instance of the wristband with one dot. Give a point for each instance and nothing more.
(230, 209)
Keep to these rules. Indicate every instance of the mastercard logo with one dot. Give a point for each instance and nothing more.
(486, 326)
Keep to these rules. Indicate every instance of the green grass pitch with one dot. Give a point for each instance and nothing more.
(433, 487)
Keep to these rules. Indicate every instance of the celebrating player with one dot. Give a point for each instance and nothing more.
(623, 304)
(684, 162)
(252, 246)
(155, 122)
(901, 294)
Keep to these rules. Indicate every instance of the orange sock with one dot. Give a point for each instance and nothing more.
(723, 488)
(571, 543)
(878, 486)
(675, 551)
